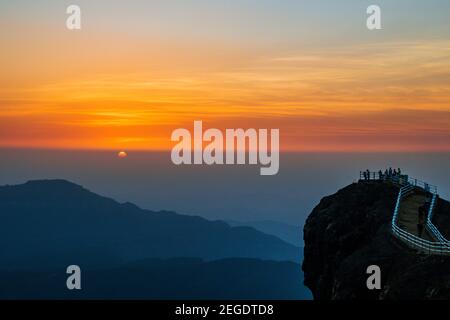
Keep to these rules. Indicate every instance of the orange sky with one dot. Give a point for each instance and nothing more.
(101, 90)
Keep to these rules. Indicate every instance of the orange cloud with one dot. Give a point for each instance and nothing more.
(393, 96)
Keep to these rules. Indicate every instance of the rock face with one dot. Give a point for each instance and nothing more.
(350, 230)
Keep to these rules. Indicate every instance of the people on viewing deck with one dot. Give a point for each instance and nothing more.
(388, 173)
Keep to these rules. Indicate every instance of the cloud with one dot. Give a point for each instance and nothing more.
(362, 97)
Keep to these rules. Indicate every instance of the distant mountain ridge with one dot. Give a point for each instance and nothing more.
(53, 222)
(286, 232)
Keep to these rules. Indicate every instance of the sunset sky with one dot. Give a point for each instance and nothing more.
(140, 69)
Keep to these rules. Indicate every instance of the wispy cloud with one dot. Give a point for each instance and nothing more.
(394, 95)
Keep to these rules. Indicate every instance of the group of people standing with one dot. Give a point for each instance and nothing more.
(388, 173)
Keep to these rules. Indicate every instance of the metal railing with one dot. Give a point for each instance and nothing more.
(423, 185)
(399, 178)
(431, 227)
(441, 246)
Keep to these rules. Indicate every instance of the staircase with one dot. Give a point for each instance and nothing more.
(412, 195)
(408, 216)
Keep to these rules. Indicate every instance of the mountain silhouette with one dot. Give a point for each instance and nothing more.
(290, 233)
(55, 222)
(126, 252)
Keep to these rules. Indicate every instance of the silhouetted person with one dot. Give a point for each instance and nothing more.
(380, 175)
(421, 221)
(399, 172)
(390, 172)
(394, 173)
(368, 174)
(385, 174)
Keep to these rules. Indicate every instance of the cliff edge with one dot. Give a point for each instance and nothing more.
(350, 230)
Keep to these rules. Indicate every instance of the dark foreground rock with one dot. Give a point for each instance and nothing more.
(350, 230)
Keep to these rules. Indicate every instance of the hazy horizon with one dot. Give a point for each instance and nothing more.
(151, 181)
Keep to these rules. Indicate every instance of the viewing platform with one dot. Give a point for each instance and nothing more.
(413, 213)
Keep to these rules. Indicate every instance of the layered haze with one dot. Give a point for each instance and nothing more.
(150, 180)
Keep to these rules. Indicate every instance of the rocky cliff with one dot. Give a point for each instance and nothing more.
(350, 230)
